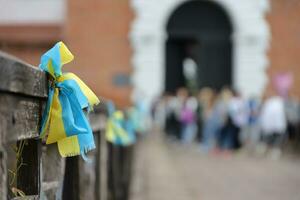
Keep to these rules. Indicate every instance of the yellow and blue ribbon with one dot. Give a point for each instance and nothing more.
(64, 118)
(138, 115)
(130, 127)
(119, 130)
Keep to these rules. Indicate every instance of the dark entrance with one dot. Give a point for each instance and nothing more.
(201, 31)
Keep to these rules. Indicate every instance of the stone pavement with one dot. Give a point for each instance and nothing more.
(166, 171)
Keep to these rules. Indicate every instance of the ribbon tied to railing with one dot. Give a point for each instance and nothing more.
(64, 119)
(119, 130)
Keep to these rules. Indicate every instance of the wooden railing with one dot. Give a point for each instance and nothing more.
(29, 169)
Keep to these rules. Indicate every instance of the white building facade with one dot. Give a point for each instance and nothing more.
(251, 38)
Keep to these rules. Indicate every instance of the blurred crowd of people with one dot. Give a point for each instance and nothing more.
(225, 121)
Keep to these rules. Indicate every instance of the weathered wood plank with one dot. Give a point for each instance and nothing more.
(12, 168)
(118, 172)
(120, 161)
(23, 93)
(53, 168)
(3, 175)
(3, 157)
(87, 175)
(19, 77)
(103, 167)
(97, 117)
(22, 117)
(127, 159)
(114, 172)
(30, 197)
(97, 121)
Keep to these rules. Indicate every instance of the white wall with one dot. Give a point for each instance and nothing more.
(32, 11)
(250, 41)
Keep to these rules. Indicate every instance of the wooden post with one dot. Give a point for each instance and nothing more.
(52, 172)
(92, 174)
(3, 174)
(103, 165)
(3, 169)
(41, 172)
(23, 92)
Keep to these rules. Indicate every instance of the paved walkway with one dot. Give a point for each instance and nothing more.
(165, 171)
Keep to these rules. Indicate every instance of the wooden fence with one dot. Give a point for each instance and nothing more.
(29, 169)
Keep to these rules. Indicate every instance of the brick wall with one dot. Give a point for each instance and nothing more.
(97, 33)
(29, 41)
(284, 54)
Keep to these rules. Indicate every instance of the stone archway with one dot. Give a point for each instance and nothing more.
(201, 31)
(250, 41)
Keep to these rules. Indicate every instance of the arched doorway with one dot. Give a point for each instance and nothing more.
(199, 31)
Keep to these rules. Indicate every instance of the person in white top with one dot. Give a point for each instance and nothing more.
(273, 124)
(273, 119)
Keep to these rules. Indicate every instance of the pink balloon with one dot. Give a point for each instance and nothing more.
(283, 82)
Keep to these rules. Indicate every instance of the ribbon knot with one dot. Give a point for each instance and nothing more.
(64, 118)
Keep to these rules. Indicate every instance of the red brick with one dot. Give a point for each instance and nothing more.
(284, 53)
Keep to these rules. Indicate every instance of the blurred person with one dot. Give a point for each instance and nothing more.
(190, 73)
(226, 127)
(211, 121)
(291, 107)
(203, 100)
(179, 101)
(273, 124)
(140, 116)
(154, 106)
(172, 124)
(159, 112)
(238, 117)
(199, 121)
(252, 128)
(188, 120)
(173, 107)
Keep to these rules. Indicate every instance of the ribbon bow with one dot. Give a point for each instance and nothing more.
(64, 119)
(118, 130)
(138, 116)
